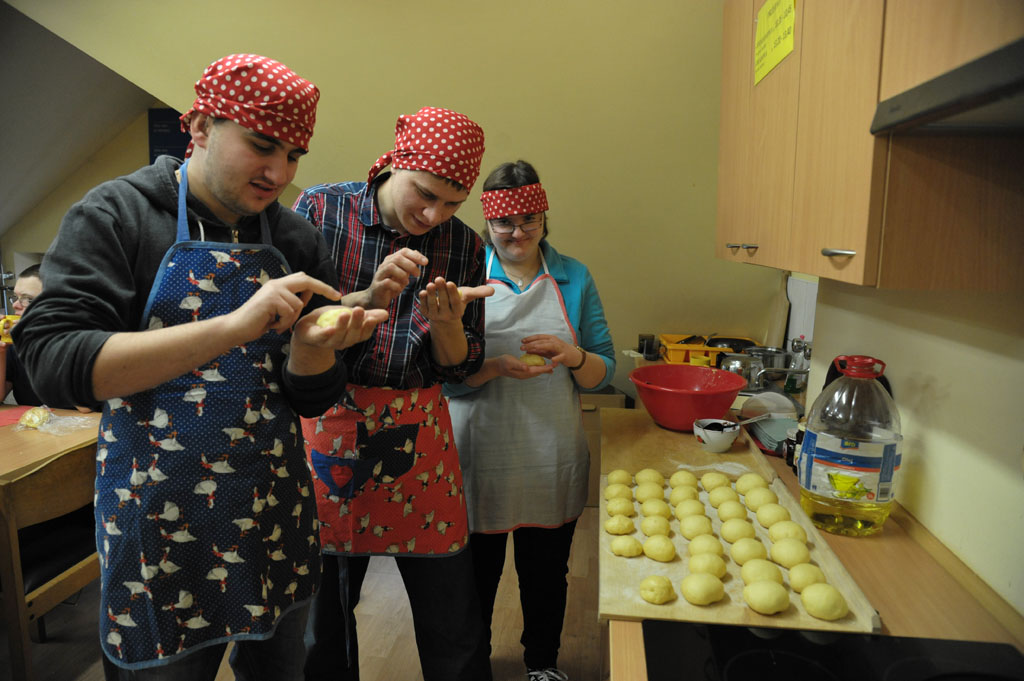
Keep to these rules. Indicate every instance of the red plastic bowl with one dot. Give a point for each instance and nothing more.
(676, 395)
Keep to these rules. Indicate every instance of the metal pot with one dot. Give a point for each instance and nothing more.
(771, 358)
(744, 365)
(734, 344)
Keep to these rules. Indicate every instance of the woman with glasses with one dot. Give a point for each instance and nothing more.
(12, 373)
(517, 424)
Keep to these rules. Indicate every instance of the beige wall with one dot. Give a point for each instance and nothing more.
(957, 372)
(616, 105)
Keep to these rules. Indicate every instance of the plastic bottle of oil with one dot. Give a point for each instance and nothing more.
(851, 451)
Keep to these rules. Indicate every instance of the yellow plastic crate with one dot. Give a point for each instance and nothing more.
(675, 352)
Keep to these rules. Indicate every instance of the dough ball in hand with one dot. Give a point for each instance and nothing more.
(532, 360)
(329, 318)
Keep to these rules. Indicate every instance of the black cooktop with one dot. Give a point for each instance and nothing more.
(678, 651)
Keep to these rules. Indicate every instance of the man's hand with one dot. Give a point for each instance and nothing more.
(353, 325)
(392, 276)
(443, 301)
(276, 306)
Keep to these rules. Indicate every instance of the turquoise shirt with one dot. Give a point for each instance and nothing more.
(582, 303)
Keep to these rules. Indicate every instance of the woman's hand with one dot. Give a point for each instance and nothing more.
(513, 367)
(555, 349)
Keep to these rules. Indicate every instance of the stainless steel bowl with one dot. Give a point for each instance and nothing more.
(747, 366)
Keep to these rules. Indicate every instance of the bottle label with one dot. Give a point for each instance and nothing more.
(849, 470)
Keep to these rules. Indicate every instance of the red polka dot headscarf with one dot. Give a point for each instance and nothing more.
(438, 141)
(260, 94)
(527, 200)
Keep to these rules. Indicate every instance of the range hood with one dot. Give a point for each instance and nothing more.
(985, 96)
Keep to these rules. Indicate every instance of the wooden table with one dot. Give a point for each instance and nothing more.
(24, 450)
(918, 586)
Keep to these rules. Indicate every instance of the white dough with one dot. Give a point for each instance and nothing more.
(824, 601)
(619, 506)
(693, 525)
(747, 549)
(682, 493)
(650, 475)
(735, 529)
(714, 479)
(766, 598)
(787, 528)
(620, 476)
(657, 589)
(722, 494)
(790, 551)
(618, 524)
(769, 514)
(746, 482)
(627, 546)
(705, 543)
(758, 497)
(689, 507)
(656, 507)
(654, 524)
(803, 575)
(760, 570)
(709, 563)
(731, 509)
(659, 547)
(683, 478)
(700, 588)
(617, 490)
(649, 490)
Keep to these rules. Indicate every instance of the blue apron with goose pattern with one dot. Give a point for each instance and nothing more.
(206, 526)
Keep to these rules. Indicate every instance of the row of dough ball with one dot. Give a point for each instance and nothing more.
(763, 591)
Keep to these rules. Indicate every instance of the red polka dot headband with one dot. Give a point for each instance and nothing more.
(527, 200)
(438, 141)
(260, 94)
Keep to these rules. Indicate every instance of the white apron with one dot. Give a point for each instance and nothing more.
(521, 442)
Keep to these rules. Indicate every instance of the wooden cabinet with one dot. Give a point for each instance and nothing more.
(800, 172)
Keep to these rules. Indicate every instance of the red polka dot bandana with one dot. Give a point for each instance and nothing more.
(260, 94)
(527, 200)
(438, 141)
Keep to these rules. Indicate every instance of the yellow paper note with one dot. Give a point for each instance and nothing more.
(774, 38)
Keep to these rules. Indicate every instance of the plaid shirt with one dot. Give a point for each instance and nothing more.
(398, 353)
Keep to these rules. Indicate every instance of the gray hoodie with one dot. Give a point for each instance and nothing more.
(99, 270)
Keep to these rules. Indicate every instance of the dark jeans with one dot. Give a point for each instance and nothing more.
(542, 562)
(278, 658)
(445, 613)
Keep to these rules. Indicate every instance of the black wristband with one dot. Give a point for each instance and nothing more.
(582, 361)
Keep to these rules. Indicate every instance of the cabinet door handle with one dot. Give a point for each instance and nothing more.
(749, 247)
(829, 252)
(732, 245)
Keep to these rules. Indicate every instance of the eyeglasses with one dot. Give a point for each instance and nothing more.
(506, 226)
(23, 299)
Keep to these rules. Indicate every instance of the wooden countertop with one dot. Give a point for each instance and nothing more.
(24, 450)
(918, 586)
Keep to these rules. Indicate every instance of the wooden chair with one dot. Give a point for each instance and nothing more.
(43, 501)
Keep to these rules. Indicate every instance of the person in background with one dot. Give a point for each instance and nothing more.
(518, 425)
(386, 472)
(184, 297)
(12, 374)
